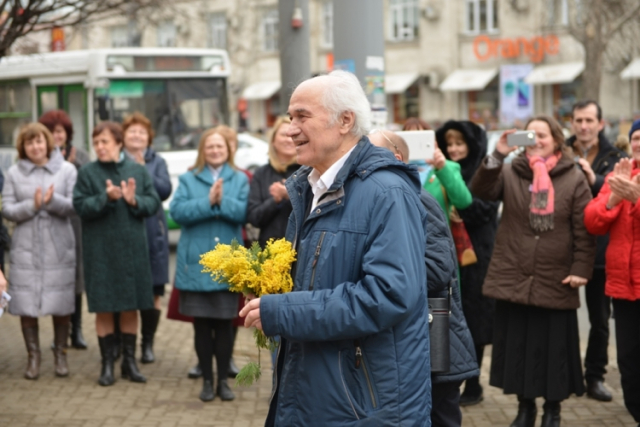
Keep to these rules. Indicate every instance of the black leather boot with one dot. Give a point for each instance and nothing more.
(129, 366)
(551, 415)
(106, 351)
(527, 412)
(149, 325)
(224, 391)
(77, 339)
(207, 395)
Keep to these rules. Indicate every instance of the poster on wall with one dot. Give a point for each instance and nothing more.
(516, 96)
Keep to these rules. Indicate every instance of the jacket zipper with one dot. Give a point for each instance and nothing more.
(315, 260)
(360, 361)
(345, 385)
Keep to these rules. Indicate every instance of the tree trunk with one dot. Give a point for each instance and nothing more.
(592, 75)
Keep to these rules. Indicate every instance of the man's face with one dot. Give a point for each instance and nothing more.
(585, 124)
(317, 140)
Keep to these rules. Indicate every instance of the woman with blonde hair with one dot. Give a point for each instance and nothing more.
(269, 206)
(37, 196)
(210, 205)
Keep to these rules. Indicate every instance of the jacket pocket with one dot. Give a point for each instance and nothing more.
(349, 398)
(362, 364)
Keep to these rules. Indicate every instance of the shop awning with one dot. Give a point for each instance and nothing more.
(632, 71)
(555, 74)
(468, 80)
(260, 91)
(399, 83)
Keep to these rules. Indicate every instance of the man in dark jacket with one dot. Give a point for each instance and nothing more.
(442, 270)
(597, 157)
(354, 332)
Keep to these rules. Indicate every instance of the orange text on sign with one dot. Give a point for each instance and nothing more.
(535, 48)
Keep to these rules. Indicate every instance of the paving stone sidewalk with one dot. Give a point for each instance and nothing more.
(170, 399)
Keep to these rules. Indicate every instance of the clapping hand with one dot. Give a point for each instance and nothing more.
(37, 198)
(129, 192)
(622, 169)
(113, 192)
(48, 195)
(215, 193)
(278, 191)
(438, 160)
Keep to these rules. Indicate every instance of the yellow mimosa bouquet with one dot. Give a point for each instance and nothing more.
(254, 271)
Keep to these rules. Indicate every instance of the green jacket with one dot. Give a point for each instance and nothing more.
(114, 243)
(449, 178)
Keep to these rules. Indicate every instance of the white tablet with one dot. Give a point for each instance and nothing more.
(421, 143)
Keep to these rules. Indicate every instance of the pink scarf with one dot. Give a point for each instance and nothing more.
(542, 194)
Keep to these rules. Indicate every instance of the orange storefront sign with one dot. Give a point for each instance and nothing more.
(535, 48)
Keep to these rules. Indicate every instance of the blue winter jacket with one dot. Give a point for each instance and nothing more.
(442, 270)
(204, 226)
(157, 230)
(355, 334)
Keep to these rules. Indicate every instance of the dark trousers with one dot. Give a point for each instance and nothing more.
(206, 345)
(628, 342)
(599, 307)
(445, 409)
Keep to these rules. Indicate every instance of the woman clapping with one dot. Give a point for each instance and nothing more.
(113, 196)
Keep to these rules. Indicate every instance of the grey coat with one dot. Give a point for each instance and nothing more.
(43, 256)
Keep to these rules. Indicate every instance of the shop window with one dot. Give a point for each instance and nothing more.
(406, 104)
(167, 34)
(557, 13)
(484, 106)
(404, 20)
(481, 16)
(218, 31)
(327, 24)
(270, 31)
(15, 110)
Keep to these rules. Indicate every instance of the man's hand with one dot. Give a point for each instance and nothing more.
(251, 314)
(439, 160)
(586, 168)
(574, 281)
(113, 192)
(129, 192)
(48, 195)
(278, 191)
(37, 198)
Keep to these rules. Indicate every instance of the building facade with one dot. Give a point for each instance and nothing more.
(495, 62)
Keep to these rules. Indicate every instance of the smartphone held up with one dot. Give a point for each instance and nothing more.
(521, 138)
(421, 143)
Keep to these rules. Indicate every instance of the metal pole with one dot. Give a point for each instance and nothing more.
(295, 60)
(358, 46)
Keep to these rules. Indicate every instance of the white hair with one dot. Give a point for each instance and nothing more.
(343, 93)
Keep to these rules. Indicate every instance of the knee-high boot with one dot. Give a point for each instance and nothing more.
(106, 351)
(32, 342)
(129, 366)
(60, 334)
(149, 325)
(77, 339)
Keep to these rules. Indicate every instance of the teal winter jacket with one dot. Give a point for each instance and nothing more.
(204, 226)
(354, 332)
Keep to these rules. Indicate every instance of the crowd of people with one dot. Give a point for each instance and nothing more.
(506, 238)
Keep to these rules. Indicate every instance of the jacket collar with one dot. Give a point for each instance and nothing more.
(52, 166)
(205, 174)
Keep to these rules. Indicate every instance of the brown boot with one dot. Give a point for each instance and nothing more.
(32, 342)
(61, 332)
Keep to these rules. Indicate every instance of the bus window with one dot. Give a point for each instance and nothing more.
(179, 109)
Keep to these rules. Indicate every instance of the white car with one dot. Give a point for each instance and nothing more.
(252, 153)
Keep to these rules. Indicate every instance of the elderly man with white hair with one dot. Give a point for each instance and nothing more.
(355, 343)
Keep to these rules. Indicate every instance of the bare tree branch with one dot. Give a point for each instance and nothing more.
(630, 14)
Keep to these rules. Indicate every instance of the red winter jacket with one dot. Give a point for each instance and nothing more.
(623, 253)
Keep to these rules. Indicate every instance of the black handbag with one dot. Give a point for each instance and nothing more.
(439, 312)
